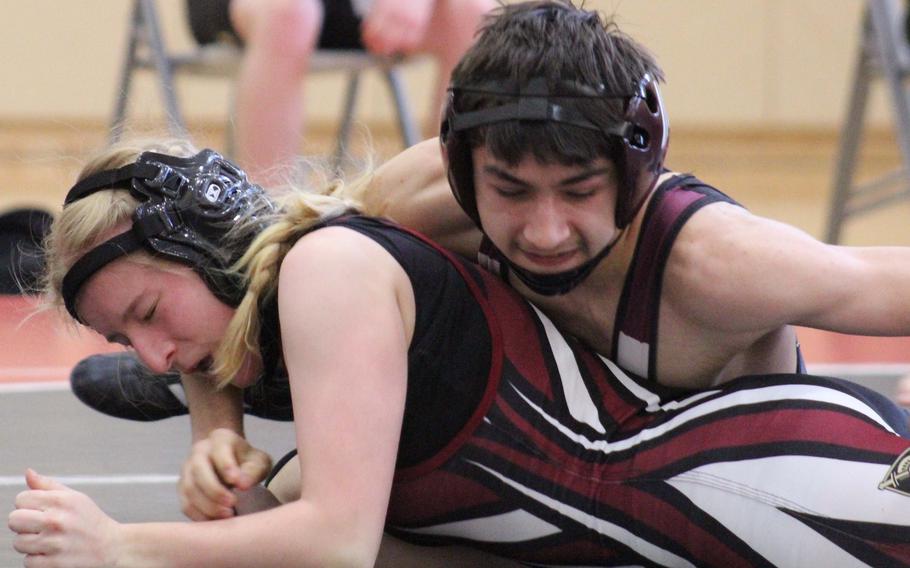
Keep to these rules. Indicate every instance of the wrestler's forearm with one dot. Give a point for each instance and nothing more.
(211, 408)
(393, 553)
(297, 535)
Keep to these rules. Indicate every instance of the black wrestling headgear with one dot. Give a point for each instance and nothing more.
(186, 208)
(643, 132)
(642, 135)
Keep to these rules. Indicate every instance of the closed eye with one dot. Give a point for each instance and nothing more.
(579, 195)
(119, 339)
(510, 192)
(150, 313)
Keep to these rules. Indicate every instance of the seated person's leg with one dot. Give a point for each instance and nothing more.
(450, 32)
(279, 37)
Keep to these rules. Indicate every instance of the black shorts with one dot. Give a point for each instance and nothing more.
(210, 22)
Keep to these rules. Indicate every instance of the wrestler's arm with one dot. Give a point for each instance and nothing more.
(393, 553)
(413, 190)
(738, 273)
(212, 408)
(345, 334)
(214, 468)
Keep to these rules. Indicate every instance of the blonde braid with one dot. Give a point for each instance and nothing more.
(260, 266)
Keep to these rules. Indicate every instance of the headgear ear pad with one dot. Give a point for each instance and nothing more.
(643, 150)
(187, 206)
(212, 195)
(643, 136)
(460, 169)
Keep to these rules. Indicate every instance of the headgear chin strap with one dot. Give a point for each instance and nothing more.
(555, 284)
(186, 208)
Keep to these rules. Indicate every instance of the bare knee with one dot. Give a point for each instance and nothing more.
(454, 25)
(471, 12)
(286, 27)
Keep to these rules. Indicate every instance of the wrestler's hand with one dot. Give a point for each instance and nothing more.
(218, 464)
(396, 26)
(57, 526)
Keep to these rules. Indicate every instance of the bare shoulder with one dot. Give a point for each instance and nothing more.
(412, 189)
(331, 253)
(726, 259)
(421, 151)
(723, 232)
(336, 274)
(413, 169)
(711, 234)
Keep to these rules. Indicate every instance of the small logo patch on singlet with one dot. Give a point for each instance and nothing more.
(898, 477)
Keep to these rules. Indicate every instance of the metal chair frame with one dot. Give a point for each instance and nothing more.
(883, 54)
(146, 51)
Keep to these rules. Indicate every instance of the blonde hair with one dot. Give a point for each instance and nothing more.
(83, 224)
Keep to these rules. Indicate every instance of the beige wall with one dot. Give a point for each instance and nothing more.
(728, 62)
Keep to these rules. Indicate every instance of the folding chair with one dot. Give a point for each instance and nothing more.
(146, 50)
(884, 53)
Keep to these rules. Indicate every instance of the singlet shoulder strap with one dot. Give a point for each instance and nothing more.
(676, 199)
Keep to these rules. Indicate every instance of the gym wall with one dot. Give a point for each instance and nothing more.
(729, 63)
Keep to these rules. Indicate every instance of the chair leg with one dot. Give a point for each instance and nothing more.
(145, 34)
(126, 76)
(887, 43)
(164, 68)
(882, 41)
(409, 131)
(347, 117)
(851, 136)
(230, 132)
